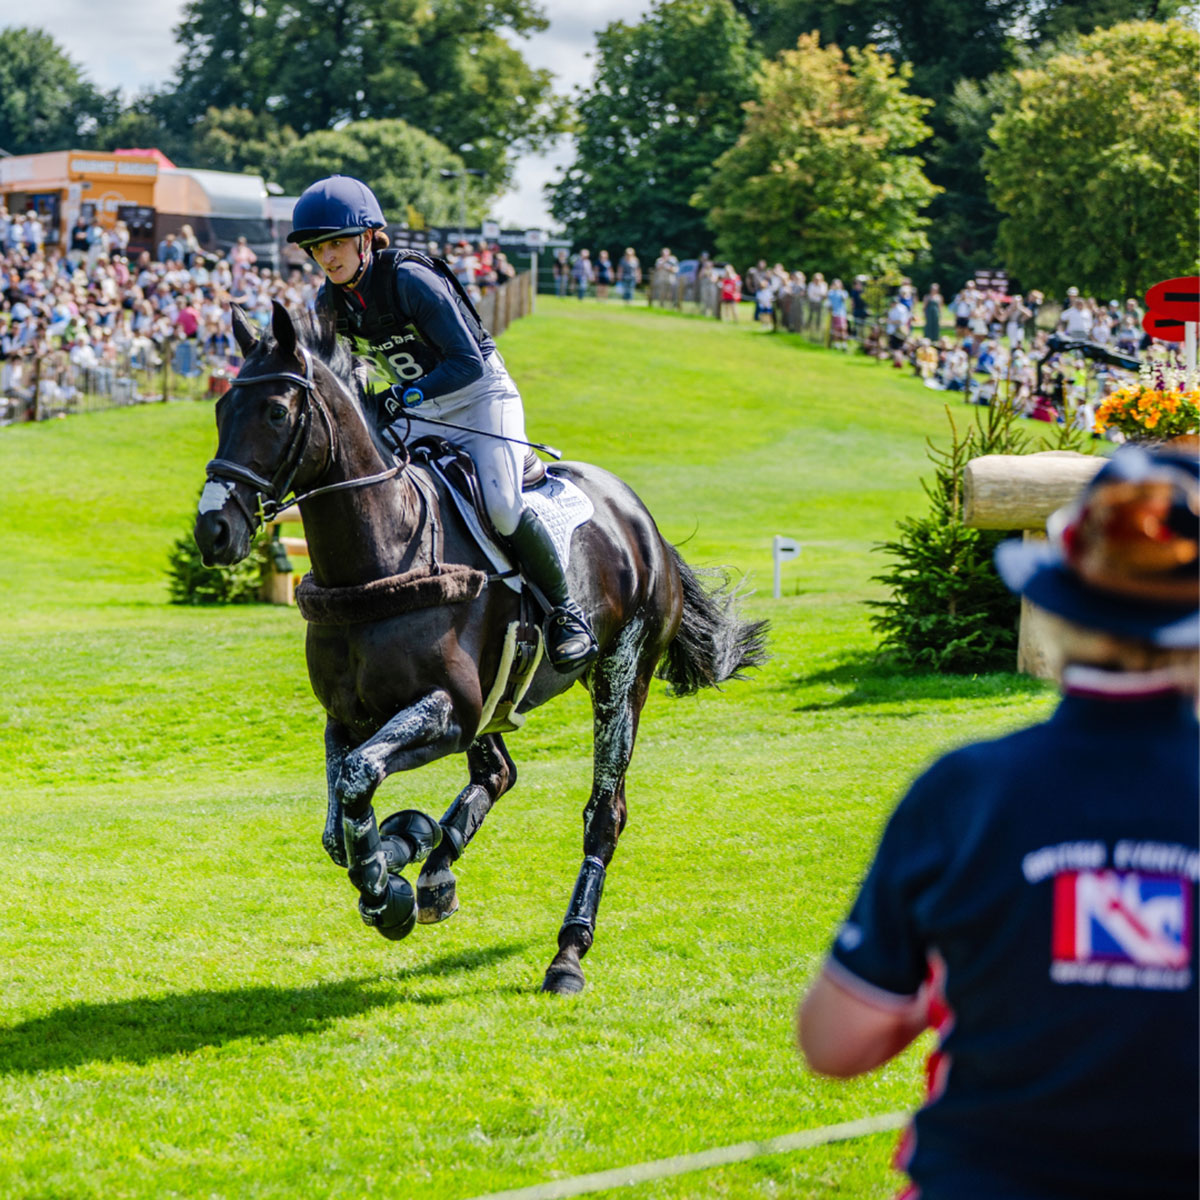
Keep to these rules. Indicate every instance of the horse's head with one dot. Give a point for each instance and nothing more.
(275, 432)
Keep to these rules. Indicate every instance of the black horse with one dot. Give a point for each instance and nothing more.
(410, 625)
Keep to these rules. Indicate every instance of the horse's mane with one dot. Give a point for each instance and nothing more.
(316, 332)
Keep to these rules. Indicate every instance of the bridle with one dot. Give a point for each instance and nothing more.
(275, 494)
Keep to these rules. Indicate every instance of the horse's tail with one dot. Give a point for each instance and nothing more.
(713, 643)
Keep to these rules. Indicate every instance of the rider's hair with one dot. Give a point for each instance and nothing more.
(1066, 643)
(380, 240)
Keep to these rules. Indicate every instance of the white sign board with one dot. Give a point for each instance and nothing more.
(490, 230)
(782, 549)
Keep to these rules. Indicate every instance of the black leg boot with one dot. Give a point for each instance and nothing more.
(570, 643)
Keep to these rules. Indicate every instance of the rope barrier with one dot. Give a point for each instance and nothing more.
(720, 1156)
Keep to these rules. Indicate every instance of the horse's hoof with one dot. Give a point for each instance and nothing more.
(437, 897)
(394, 913)
(563, 981)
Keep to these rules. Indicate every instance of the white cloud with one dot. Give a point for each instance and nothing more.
(132, 46)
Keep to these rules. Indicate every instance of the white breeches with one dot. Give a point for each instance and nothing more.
(491, 404)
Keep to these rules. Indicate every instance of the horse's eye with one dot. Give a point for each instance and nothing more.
(278, 412)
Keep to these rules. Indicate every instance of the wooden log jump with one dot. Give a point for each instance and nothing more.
(278, 586)
(1020, 491)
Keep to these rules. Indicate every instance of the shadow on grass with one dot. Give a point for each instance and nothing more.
(140, 1030)
(872, 680)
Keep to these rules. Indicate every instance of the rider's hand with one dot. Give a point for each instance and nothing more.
(405, 396)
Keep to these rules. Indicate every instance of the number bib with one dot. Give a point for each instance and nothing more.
(402, 357)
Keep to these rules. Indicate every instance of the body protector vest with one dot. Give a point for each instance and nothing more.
(378, 329)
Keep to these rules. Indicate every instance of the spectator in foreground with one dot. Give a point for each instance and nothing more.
(1034, 898)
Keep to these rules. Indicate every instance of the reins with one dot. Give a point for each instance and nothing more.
(275, 494)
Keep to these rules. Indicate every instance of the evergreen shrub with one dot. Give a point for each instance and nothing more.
(191, 582)
(948, 610)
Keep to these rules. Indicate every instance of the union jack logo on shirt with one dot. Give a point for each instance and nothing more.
(1122, 917)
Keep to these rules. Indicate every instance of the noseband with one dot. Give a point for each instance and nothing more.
(275, 494)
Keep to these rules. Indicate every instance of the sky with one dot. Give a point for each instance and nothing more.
(130, 46)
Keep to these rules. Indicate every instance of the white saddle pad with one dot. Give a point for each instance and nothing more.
(562, 506)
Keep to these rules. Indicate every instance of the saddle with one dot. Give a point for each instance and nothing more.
(523, 645)
(455, 466)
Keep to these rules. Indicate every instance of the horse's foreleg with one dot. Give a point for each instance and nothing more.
(337, 746)
(492, 774)
(420, 733)
(620, 681)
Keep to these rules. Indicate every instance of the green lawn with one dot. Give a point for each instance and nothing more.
(189, 1003)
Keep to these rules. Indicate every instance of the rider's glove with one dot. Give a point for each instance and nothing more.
(404, 397)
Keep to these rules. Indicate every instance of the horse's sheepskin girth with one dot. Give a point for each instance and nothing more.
(384, 598)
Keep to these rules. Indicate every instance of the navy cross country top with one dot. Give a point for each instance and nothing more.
(1050, 878)
(409, 318)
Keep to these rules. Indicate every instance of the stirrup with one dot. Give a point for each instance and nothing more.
(570, 643)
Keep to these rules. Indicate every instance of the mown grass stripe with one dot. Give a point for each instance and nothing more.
(703, 1160)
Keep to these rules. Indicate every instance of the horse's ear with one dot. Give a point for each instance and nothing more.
(283, 329)
(242, 331)
(326, 330)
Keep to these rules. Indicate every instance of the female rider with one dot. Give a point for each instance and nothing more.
(425, 336)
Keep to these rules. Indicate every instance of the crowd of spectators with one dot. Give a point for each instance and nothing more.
(984, 341)
(92, 312)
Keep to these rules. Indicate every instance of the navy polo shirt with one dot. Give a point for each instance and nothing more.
(1051, 878)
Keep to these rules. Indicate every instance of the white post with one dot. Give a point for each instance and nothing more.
(782, 548)
(1189, 351)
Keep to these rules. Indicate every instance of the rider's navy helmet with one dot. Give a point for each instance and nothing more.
(335, 207)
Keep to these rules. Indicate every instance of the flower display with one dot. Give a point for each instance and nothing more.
(1163, 403)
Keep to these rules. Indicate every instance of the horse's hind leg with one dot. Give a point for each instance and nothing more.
(620, 681)
(492, 774)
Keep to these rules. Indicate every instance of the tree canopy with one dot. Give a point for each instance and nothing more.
(402, 164)
(443, 66)
(666, 101)
(1094, 161)
(822, 173)
(45, 101)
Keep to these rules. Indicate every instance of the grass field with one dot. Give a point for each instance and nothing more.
(189, 1003)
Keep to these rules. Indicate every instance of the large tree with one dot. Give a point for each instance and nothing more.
(947, 42)
(443, 66)
(1094, 162)
(46, 103)
(665, 102)
(236, 139)
(822, 176)
(402, 165)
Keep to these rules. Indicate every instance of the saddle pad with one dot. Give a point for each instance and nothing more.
(562, 506)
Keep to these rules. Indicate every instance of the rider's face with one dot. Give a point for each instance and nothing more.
(338, 258)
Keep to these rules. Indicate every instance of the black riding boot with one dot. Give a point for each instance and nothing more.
(570, 643)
